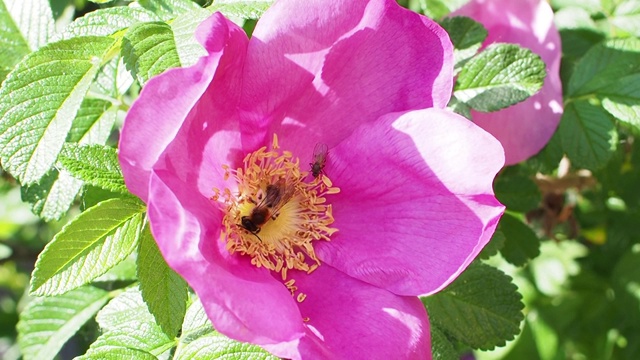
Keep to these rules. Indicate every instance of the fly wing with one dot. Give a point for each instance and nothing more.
(320, 153)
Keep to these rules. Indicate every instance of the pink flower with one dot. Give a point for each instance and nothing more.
(327, 266)
(525, 128)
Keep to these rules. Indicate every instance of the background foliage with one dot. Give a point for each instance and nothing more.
(560, 278)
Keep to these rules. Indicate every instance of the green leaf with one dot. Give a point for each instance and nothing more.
(126, 309)
(92, 196)
(517, 192)
(243, 9)
(594, 6)
(94, 164)
(626, 16)
(493, 247)
(164, 291)
(521, 243)
(500, 76)
(183, 27)
(90, 245)
(41, 97)
(127, 323)
(34, 19)
(56, 191)
(200, 341)
(215, 345)
(124, 272)
(467, 37)
(481, 308)
(25, 26)
(52, 197)
(588, 135)
(573, 17)
(459, 107)
(14, 46)
(47, 323)
(441, 347)
(149, 49)
(93, 123)
(168, 9)
(436, 9)
(625, 110)
(113, 79)
(111, 352)
(610, 71)
(104, 22)
(575, 43)
(196, 322)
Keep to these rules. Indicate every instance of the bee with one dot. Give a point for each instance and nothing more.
(275, 197)
(319, 159)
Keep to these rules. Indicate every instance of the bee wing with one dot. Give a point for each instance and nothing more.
(278, 194)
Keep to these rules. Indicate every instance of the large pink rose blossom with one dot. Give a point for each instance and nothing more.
(525, 128)
(327, 266)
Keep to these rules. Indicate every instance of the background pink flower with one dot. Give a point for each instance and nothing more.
(525, 128)
(416, 205)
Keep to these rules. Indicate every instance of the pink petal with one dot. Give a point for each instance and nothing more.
(525, 128)
(416, 202)
(166, 101)
(317, 69)
(235, 294)
(349, 319)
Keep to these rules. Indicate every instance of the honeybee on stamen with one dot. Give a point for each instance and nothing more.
(267, 207)
(319, 159)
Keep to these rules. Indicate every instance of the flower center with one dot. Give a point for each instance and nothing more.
(276, 216)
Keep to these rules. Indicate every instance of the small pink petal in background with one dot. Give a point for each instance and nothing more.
(525, 128)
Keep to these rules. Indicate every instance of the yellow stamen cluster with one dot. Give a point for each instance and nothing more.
(285, 240)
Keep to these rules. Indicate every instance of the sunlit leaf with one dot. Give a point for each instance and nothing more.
(183, 27)
(149, 49)
(55, 193)
(164, 291)
(128, 328)
(87, 247)
(41, 98)
(94, 164)
(500, 76)
(200, 341)
(47, 323)
(168, 9)
(25, 26)
(107, 21)
(243, 9)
